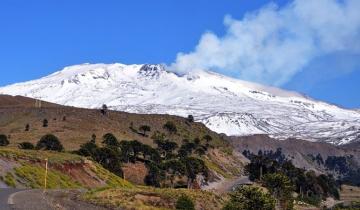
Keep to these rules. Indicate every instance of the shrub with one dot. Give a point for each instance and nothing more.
(184, 203)
(26, 145)
(250, 198)
(50, 142)
(45, 123)
(4, 140)
(170, 127)
(190, 118)
(27, 127)
(110, 140)
(104, 109)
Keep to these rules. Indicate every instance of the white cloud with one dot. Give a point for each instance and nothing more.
(272, 44)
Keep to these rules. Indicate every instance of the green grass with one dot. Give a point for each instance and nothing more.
(111, 179)
(36, 155)
(34, 176)
(9, 180)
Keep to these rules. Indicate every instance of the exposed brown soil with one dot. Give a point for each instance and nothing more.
(135, 172)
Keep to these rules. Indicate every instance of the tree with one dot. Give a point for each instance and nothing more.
(173, 168)
(190, 118)
(193, 167)
(166, 147)
(126, 150)
(4, 140)
(45, 123)
(150, 153)
(104, 109)
(250, 198)
(186, 149)
(144, 129)
(27, 127)
(184, 202)
(170, 127)
(93, 138)
(50, 142)
(154, 175)
(26, 145)
(207, 138)
(88, 149)
(109, 159)
(281, 188)
(110, 140)
(136, 149)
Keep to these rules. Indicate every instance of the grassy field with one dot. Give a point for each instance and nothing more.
(147, 198)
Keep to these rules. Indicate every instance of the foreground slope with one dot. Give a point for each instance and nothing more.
(223, 104)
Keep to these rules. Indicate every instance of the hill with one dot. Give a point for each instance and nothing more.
(75, 126)
(341, 161)
(223, 104)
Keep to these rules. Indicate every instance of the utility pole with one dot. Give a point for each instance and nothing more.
(46, 171)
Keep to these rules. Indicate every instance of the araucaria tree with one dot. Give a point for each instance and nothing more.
(3, 140)
(250, 198)
(50, 142)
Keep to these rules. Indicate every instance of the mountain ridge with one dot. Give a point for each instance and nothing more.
(224, 104)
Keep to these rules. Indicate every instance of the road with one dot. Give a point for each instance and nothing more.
(4, 196)
(37, 200)
(227, 185)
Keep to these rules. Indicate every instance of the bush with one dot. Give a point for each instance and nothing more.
(250, 198)
(110, 140)
(26, 145)
(184, 203)
(170, 127)
(50, 142)
(190, 118)
(27, 127)
(45, 123)
(4, 140)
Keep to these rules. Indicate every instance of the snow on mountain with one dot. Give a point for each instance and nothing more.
(224, 104)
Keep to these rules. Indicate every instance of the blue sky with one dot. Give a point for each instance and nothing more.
(39, 37)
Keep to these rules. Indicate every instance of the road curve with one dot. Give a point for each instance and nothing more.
(4, 197)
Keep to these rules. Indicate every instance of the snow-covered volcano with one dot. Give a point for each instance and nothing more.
(224, 104)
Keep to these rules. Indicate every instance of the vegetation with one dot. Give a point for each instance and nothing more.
(250, 198)
(104, 109)
(4, 140)
(184, 203)
(144, 129)
(26, 145)
(50, 142)
(45, 123)
(170, 127)
(281, 188)
(307, 184)
(149, 198)
(27, 127)
(190, 118)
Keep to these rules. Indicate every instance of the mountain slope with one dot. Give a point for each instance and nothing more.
(223, 104)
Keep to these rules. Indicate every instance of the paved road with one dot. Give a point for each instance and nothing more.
(4, 196)
(37, 200)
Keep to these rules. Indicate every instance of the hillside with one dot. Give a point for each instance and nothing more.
(26, 169)
(223, 104)
(341, 161)
(75, 126)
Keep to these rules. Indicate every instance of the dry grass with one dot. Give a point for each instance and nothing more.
(147, 198)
